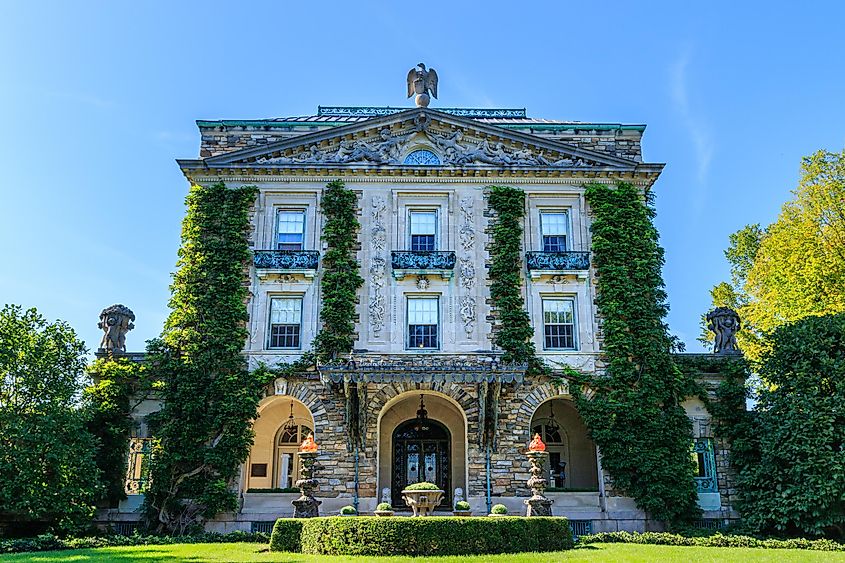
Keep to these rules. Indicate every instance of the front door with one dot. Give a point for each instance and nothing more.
(421, 453)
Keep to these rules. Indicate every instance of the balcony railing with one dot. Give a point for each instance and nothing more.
(286, 259)
(558, 261)
(422, 260)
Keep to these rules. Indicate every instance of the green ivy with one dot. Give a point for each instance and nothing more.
(634, 415)
(203, 431)
(513, 332)
(119, 384)
(341, 278)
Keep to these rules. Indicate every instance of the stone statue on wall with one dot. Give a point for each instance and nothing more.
(422, 82)
(115, 321)
(724, 323)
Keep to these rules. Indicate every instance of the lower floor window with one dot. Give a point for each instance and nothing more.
(559, 324)
(423, 321)
(285, 322)
(138, 468)
(704, 457)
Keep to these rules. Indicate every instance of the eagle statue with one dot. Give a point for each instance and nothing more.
(422, 82)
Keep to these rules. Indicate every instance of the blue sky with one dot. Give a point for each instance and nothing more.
(98, 99)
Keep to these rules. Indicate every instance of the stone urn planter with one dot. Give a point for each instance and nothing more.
(383, 509)
(462, 509)
(421, 501)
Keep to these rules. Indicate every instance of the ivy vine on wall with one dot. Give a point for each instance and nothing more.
(203, 431)
(634, 415)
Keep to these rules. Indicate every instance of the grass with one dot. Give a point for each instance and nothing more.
(248, 552)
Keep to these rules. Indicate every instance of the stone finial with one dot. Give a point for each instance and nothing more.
(115, 321)
(422, 82)
(724, 323)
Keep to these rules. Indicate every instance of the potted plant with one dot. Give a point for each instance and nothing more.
(499, 510)
(384, 509)
(462, 509)
(422, 497)
(348, 510)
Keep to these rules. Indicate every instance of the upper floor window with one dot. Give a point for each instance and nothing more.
(290, 229)
(423, 321)
(285, 322)
(423, 230)
(554, 227)
(559, 324)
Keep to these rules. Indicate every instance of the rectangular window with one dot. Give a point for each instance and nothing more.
(559, 324)
(423, 229)
(704, 457)
(285, 322)
(423, 321)
(555, 228)
(290, 229)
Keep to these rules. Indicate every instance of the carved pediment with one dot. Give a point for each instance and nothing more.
(420, 137)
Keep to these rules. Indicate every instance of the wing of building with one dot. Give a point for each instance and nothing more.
(423, 345)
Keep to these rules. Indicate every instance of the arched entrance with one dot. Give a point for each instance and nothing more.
(572, 455)
(421, 452)
(282, 423)
(411, 450)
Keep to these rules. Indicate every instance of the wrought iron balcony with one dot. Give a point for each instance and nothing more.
(286, 259)
(557, 261)
(422, 262)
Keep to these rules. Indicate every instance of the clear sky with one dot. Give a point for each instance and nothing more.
(98, 99)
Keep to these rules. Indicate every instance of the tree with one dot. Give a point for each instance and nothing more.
(203, 432)
(47, 472)
(794, 268)
(797, 484)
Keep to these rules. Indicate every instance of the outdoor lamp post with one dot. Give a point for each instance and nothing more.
(306, 506)
(538, 504)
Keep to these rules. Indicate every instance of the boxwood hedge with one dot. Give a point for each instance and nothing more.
(369, 535)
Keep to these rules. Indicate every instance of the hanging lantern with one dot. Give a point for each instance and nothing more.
(422, 417)
(290, 423)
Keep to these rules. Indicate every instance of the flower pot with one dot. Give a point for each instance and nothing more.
(383, 513)
(462, 512)
(422, 502)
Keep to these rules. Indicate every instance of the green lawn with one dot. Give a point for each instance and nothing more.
(246, 552)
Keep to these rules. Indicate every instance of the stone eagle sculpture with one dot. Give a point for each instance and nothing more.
(422, 82)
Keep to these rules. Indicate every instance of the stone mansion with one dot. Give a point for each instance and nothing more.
(423, 362)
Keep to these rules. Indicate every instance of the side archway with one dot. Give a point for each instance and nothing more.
(283, 422)
(572, 454)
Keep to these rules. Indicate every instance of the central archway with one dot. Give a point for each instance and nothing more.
(421, 452)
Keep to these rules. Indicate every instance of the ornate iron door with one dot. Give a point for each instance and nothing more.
(421, 454)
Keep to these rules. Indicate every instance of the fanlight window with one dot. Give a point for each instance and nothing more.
(548, 430)
(422, 157)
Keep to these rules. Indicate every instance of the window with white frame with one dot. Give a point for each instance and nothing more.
(422, 226)
(290, 229)
(285, 322)
(554, 228)
(423, 322)
(559, 324)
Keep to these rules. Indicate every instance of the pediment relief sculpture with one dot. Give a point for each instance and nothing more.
(451, 148)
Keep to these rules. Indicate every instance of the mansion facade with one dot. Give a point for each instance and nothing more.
(425, 396)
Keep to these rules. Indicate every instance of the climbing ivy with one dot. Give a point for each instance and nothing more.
(513, 332)
(119, 385)
(634, 414)
(340, 278)
(203, 431)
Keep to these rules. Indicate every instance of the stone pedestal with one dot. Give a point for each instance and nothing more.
(306, 506)
(538, 504)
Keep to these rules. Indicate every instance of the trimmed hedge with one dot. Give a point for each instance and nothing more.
(716, 540)
(370, 535)
(50, 542)
(286, 535)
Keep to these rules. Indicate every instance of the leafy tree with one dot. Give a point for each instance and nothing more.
(47, 470)
(794, 268)
(634, 414)
(795, 485)
(204, 430)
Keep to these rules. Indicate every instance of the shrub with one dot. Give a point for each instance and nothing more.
(348, 510)
(462, 505)
(384, 506)
(499, 509)
(50, 542)
(422, 486)
(716, 540)
(286, 535)
(370, 535)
